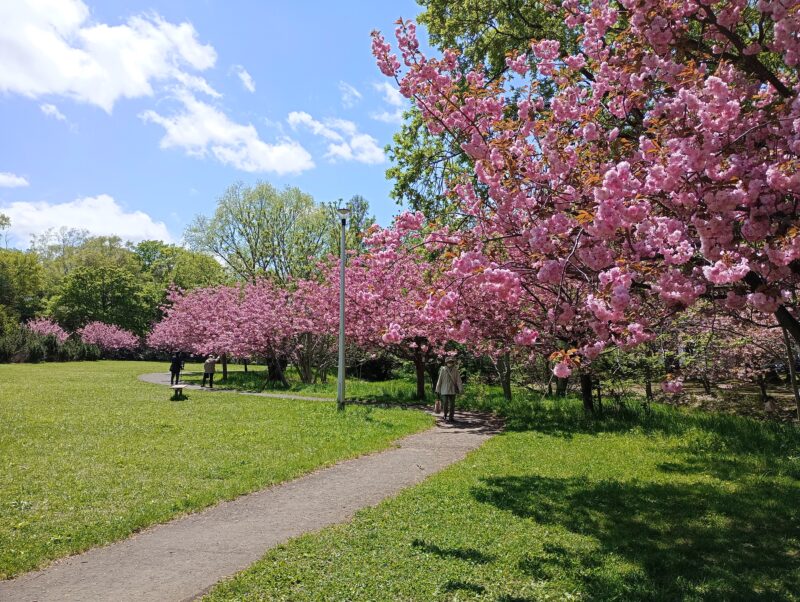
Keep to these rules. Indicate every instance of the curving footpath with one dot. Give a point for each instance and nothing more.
(184, 558)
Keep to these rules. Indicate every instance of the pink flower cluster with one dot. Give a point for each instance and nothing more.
(592, 248)
(108, 337)
(47, 327)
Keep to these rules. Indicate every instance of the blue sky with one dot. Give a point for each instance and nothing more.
(131, 117)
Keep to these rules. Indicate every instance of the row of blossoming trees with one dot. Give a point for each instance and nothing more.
(645, 177)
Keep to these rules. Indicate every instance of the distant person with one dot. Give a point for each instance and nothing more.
(175, 367)
(209, 367)
(448, 386)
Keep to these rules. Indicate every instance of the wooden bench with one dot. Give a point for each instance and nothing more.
(177, 391)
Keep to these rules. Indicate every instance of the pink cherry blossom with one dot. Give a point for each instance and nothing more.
(47, 327)
(108, 337)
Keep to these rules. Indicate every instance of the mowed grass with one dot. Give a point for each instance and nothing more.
(662, 505)
(89, 454)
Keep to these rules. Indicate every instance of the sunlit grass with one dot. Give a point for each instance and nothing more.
(89, 454)
(638, 505)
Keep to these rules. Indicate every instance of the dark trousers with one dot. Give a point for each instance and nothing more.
(175, 377)
(448, 406)
(210, 377)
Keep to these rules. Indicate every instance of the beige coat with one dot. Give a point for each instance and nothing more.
(449, 382)
(210, 365)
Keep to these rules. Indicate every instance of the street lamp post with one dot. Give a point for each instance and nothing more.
(344, 213)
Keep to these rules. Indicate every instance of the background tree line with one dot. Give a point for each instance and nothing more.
(74, 278)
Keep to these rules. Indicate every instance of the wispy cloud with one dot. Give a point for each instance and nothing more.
(245, 77)
(350, 95)
(345, 141)
(52, 111)
(10, 180)
(201, 129)
(393, 98)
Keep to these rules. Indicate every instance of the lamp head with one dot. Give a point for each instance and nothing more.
(344, 212)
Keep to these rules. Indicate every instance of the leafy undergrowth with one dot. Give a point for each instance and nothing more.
(639, 505)
(90, 455)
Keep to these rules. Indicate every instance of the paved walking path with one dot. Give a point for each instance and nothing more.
(162, 378)
(182, 559)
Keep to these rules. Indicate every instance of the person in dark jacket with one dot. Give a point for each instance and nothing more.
(175, 367)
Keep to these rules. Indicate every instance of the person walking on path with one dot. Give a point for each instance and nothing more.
(448, 386)
(209, 367)
(175, 367)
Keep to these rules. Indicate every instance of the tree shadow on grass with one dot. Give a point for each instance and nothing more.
(696, 541)
(454, 586)
(709, 432)
(468, 554)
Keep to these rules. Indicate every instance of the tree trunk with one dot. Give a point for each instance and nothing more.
(792, 373)
(762, 385)
(586, 392)
(561, 386)
(548, 375)
(244, 363)
(303, 364)
(432, 368)
(706, 385)
(275, 371)
(419, 365)
(504, 370)
(224, 366)
(648, 372)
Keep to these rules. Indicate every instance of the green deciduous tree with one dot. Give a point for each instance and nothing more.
(168, 265)
(262, 231)
(106, 293)
(21, 285)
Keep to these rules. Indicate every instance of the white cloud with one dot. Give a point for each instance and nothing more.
(297, 118)
(388, 116)
(100, 215)
(245, 77)
(392, 97)
(51, 47)
(10, 180)
(345, 141)
(350, 95)
(52, 111)
(201, 129)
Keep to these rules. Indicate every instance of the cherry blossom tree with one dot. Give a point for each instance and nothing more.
(202, 321)
(655, 166)
(388, 290)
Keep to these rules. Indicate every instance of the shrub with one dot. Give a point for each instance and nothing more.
(45, 327)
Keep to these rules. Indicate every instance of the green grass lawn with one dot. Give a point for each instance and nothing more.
(89, 454)
(661, 505)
